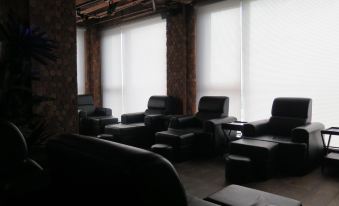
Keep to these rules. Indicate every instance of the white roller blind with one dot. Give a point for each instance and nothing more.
(133, 65)
(219, 52)
(291, 48)
(80, 60)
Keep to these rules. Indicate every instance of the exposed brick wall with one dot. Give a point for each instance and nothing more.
(181, 58)
(191, 61)
(18, 7)
(93, 64)
(58, 79)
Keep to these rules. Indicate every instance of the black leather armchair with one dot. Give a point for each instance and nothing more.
(206, 124)
(92, 120)
(138, 129)
(300, 144)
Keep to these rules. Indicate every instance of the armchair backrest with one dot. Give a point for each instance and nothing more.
(86, 103)
(162, 105)
(211, 107)
(93, 169)
(288, 113)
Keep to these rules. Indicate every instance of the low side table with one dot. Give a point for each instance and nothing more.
(237, 126)
(330, 156)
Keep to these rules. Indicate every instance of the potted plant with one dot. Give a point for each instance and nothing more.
(21, 47)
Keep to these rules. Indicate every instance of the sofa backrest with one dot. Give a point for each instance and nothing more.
(86, 103)
(288, 113)
(165, 105)
(211, 107)
(89, 169)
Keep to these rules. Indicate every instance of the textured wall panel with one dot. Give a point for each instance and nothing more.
(58, 79)
(93, 65)
(181, 58)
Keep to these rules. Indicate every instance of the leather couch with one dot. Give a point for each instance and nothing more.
(87, 170)
(206, 124)
(21, 178)
(299, 140)
(138, 129)
(92, 120)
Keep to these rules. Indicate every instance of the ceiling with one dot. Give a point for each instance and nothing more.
(98, 12)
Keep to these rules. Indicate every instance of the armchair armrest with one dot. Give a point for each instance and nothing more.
(132, 118)
(255, 128)
(183, 121)
(100, 111)
(82, 114)
(154, 119)
(302, 134)
(212, 123)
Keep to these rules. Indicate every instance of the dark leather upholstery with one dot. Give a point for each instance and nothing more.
(300, 144)
(91, 171)
(92, 120)
(86, 170)
(20, 177)
(239, 195)
(206, 124)
(138, 129)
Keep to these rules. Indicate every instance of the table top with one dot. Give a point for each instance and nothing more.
(236, 125)
(331, 131)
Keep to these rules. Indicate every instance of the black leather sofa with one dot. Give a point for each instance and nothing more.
(21, 178)
(91, 171)
(138, 129)
(206, 124)
(92, 120)
(299, 142)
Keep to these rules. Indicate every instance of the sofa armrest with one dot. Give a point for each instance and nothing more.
(255, 128)
(132, 118)
(211, 124)
(183, 121)
(303, 133)
(100, 111)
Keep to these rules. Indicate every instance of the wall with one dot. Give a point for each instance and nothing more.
(58, 79)
(93, 64)
(181, 58)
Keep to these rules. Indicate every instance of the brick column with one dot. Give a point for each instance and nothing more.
(58, 79)
(181, 58)
(93, 64)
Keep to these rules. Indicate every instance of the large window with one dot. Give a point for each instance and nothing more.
(286, 48)
(81, 60)
(219, 52)
(133, 64)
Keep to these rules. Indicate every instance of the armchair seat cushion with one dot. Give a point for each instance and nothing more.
(125, 129)
(175, 138)
(239, 195)
(263, 151)
(273, 138)
(102, 121)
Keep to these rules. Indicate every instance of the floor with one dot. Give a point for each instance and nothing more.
(204, 177)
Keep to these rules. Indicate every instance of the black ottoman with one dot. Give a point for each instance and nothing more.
(238, 169)
(97, 124)
(164, 150)
(236, 195)
(135, 134)
(181, 141)
(261, 154)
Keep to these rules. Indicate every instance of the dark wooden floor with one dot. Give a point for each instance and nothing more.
(204, 177)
